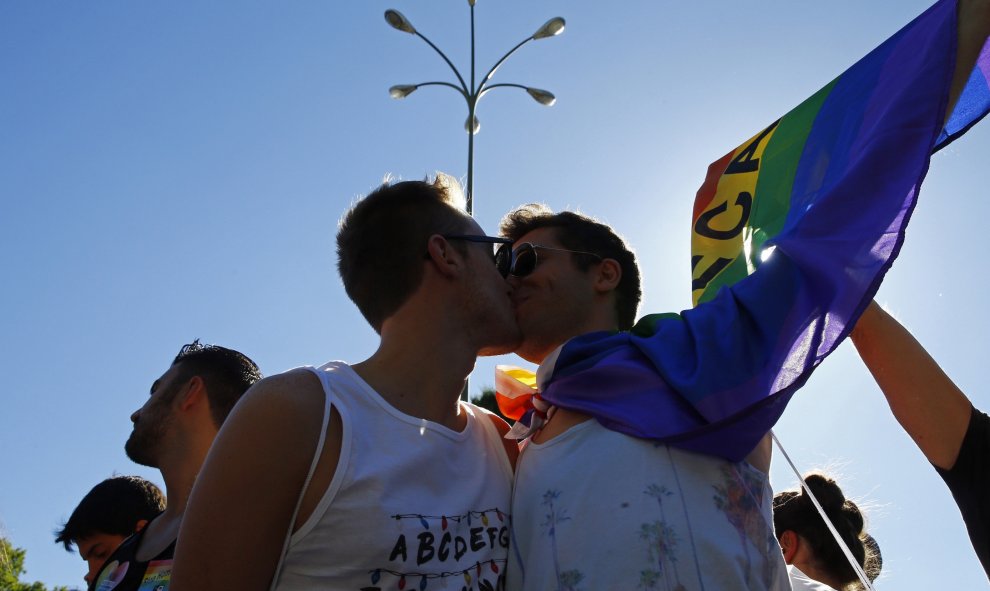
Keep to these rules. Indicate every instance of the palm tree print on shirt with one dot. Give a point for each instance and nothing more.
(661, 540)
(566, 580)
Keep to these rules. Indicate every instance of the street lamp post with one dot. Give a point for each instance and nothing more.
(472, 93)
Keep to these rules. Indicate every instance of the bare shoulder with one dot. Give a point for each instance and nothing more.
(274, 420)
(294, 390)
(283, 414)
(502, 427)
(276, 403)
(499, 422)
(510, 445)
(270, 436)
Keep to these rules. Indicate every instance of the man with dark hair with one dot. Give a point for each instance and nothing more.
(650, 505)
(655, 491)
(109, 513)
(589, 243)
(375, 475)
(173, 431)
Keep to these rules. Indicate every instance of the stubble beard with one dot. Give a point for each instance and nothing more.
(142, 445)
(502, 347)
(537, 341)
(504, 334)
(495, 317)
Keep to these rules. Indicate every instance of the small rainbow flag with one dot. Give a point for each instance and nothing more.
(792, 234)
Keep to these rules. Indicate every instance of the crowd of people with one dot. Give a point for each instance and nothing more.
(375, 475)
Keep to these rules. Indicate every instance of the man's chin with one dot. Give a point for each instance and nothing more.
(533, 352)
(502, 348)
(136, 453)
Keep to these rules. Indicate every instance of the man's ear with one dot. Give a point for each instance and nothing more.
(789, 542)
(609, 275)
(442, 255)
(195, 392)
(140, 525)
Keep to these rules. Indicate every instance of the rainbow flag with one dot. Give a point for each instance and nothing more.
(793, 232)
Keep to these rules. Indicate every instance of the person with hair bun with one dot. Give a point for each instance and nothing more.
(815, 559)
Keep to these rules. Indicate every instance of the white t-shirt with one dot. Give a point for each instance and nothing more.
(596, 510)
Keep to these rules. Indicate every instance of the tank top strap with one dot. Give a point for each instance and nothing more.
(327, 403)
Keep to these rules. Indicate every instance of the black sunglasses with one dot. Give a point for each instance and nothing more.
(502, 254)
(524, 258)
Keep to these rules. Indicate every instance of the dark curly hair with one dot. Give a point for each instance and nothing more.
(579, 232)
(227, 374)
(794, 511)
(113, 506)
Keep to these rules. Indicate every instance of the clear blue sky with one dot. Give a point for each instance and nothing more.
(176, 170)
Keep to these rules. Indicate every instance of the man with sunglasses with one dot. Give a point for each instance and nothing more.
(596, 506)
(373, 475)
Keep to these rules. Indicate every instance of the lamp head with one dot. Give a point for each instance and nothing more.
(398, 21)
(401, 91)
(472, 129)
(544, 97)
(551, 28)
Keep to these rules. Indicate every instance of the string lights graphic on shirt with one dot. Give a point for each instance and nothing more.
(443, 538)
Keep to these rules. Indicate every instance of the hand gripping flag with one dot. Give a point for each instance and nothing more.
(792, 234)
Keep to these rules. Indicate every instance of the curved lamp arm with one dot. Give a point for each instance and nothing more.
(464, 86)
(488, 76)
(544, 97)
(551, 28)
(401, 91)
(399, 22)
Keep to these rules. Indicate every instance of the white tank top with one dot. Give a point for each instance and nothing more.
(412, 505)
(597, 510)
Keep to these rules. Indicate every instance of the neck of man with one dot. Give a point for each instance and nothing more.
(537, 352)
(179, 470)
(420, 368)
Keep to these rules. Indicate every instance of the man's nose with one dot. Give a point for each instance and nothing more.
(92, 572)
